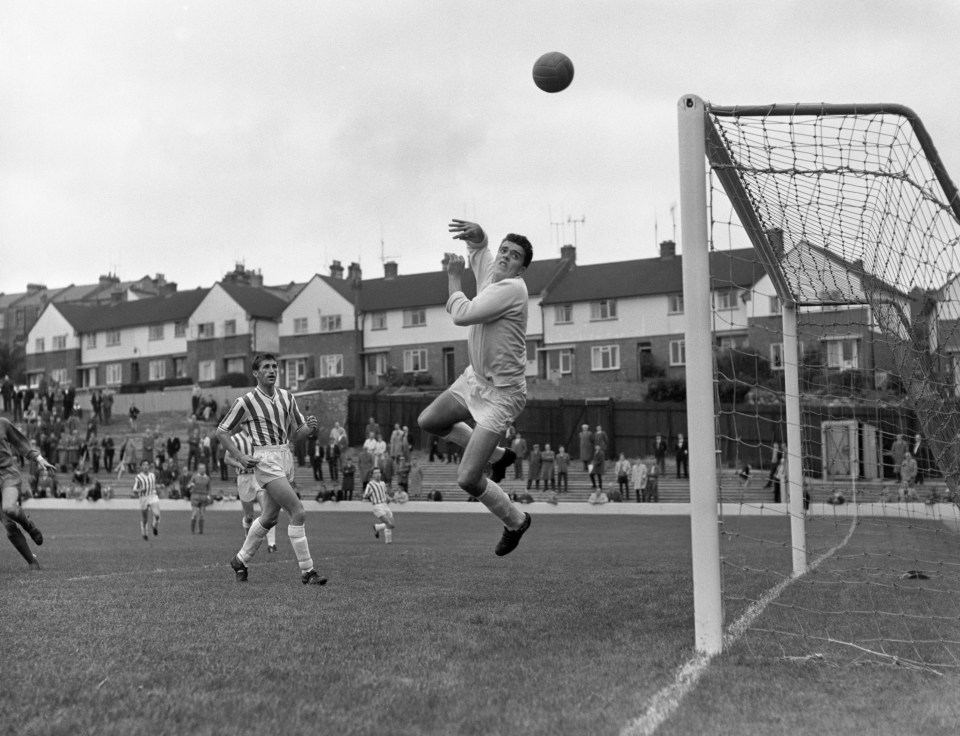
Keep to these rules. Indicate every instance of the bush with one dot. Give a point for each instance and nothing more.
(667, 390)
(335, 383)
(234, 380)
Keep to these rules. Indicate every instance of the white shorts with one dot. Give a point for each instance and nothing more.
(273, 462)
(491, 407)
(382, 511)
(247, 487)
(153, 500)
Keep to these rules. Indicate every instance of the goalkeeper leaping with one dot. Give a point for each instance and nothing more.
(493, 388)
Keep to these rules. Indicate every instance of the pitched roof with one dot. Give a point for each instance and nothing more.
(651, 276)
(94, 317)
(430, 289)
(257, 302)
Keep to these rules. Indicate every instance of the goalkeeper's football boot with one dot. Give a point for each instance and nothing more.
(511, 538)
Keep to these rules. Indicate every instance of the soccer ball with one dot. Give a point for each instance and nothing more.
(553, 72)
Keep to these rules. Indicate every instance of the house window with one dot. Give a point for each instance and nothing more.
(59, 342)
(776, 356)
(39, 345)
(331, 366)
(207, 370)
(114, 374)
(179, 329)
(378, 321)
(90, 340)
(563, 314)
(300, 326)
(379, 361)
(603, 309)
(330, 323)
(180, 367)
(678, 352)
(415, 361)
(157, 370)
(605, 358)
(725, 299)
(233, 365)
(775, 306)
(414, 317)
(113, 338)
(229, 328)
(155, 332)
(205, 330)
(18, 319)
(675, 304)
(842, 353)
(58, 375)
(295, 371)
(566, 362)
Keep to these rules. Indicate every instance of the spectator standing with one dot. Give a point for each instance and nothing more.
(660, 452)
(533, 472)
(333, 459)
(134, 414)
(547, 461)
(195, 396)
(8, 392)
(682, 454)
(108, 453)
(316, 458)
(348, 472)
(106, 406)
(173, 449)
(563, 468)
(653, 485)
(622, 470)
(397, 441)
(415, 480)
(596, 467)
(601, 438)
(775, 454)
(193, 443)
(908, 476)
(586, 446)
(435, 449)
(898, 451)
(924, 458)
(372, 428)
(638, 479)
(364, 465)
(519, 447)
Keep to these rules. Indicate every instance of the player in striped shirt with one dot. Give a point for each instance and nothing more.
(14, 447)
(273, 419)
(376, 491)
(145, 487)
(248, 490)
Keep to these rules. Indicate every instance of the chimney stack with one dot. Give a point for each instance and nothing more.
(390, 270)
(336, 270)
(569, 252)
(668, 250)
(353, 272)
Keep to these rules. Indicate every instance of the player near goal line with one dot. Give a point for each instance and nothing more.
(272, 418)
(492, 390)
(13, 446)
(376, 491)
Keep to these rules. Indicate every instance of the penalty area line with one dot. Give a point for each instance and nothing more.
(666, 701)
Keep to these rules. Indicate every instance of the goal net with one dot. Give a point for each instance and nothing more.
(836, 381)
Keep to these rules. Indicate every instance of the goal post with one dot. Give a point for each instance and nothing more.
(848, 334)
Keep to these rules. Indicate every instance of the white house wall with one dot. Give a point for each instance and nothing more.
(50, 324)
(218, 307)
(316, 299)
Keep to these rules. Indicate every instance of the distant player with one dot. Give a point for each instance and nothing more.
(492, 390)
(14, 448)
(248, 490)
(376, 491)
(145, 486)
(199, 488)
(273, 419)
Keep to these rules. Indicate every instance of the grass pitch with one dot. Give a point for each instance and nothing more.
(570, 634)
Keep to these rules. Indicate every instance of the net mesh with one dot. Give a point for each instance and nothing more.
(854, 221)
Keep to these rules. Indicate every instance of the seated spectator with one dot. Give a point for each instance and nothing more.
(47, 485)
(324, 494)
(837, 498)
(92, 492)
(400, 496)
(744, 475)
(434, 496)
(598, 497)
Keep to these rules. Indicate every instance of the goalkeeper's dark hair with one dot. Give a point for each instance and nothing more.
(522, 241)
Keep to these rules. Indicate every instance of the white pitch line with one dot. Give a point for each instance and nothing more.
(666, 701)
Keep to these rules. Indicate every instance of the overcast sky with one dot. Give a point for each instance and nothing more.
(147, 136)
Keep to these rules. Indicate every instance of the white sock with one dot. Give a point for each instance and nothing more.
(298, 539)
(502, 507)
(388, 536)
(253, 541)
(272, 536)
